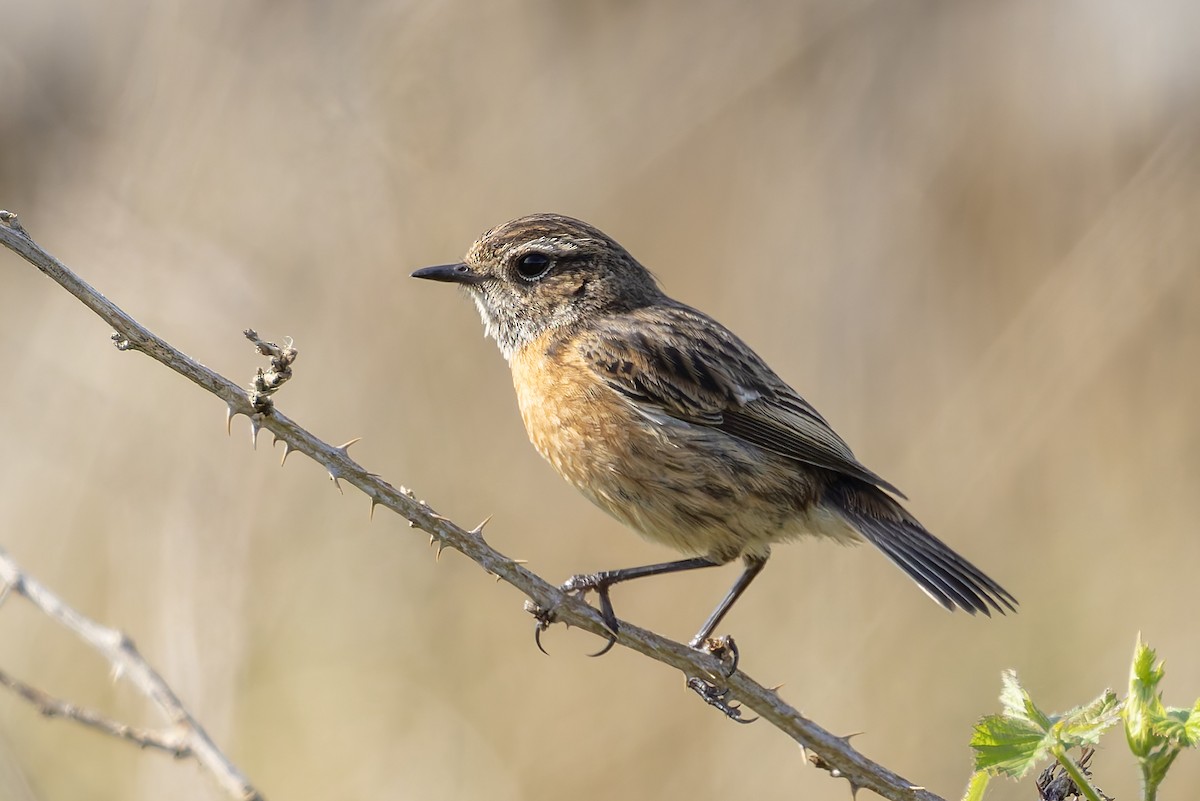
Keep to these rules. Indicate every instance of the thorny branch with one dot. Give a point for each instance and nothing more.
(825, 750)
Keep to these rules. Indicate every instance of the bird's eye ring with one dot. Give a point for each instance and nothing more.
(533, 266)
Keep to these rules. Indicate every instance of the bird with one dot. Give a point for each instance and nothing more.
(665, 419)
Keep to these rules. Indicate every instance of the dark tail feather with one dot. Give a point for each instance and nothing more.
(948, 578)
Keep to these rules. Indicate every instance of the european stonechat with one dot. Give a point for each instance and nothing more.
(670, 423)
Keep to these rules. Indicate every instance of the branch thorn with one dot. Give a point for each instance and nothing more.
(345, 449)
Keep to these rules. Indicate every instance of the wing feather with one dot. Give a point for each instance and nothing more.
(681, 363)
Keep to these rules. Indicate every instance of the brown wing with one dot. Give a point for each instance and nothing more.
(676, 361)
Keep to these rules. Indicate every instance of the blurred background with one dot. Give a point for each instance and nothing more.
(967, 232)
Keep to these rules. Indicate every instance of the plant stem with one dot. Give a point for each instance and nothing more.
(1077, 776)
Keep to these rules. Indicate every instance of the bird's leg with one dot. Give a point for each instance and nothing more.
(724, 648)
(754, 566)
(601, 582)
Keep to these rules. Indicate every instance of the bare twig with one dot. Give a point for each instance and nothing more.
(831, 752)
(53, 707)
(189, 738)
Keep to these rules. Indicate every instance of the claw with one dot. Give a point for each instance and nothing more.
(579, 587)
(606, 611)
(718, 698)
(610, 620)
(612, 640)
(543, 618)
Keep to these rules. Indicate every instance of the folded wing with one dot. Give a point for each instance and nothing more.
(683, 364)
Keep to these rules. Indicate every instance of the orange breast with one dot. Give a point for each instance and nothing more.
(572, 419)
(627, 465)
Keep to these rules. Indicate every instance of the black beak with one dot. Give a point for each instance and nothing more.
(450, 273)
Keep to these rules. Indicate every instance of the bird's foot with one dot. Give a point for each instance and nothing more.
(726, 652)
(718, 697)
(579, 586)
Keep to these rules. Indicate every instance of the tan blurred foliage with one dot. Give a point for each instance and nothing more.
(966, 231)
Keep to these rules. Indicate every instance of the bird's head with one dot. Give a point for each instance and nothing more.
(546, 271)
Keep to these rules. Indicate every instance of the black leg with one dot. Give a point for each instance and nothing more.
(725, 649)
(754, 566)
(607, 578)
(600, 582)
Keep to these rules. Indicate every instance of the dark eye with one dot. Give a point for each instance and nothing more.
(533, 266)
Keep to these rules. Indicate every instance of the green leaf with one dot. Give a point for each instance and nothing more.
(1144, 670)
(1022, 735)
(975, 788)
(1180, 727)
(1017, 704)
(1008, 746)
(1144, 705)
(1015, 740)
(1083, 725)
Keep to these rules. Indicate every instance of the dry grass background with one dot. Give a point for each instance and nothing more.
(966, 231)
